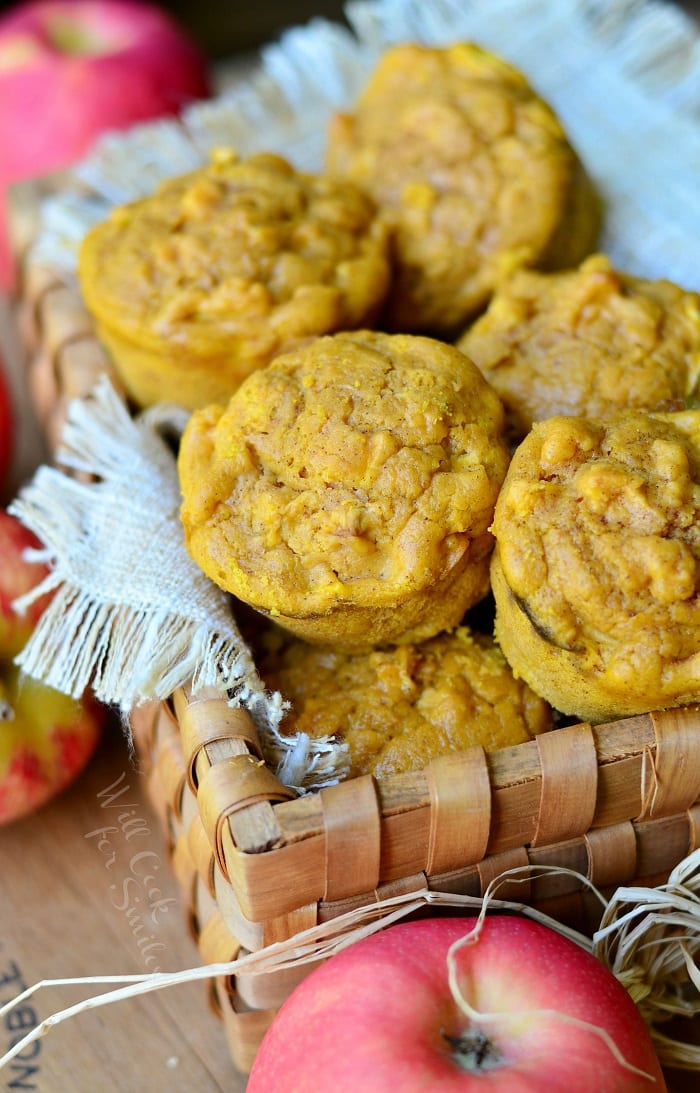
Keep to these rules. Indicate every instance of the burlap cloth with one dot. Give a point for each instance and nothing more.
(132, 615)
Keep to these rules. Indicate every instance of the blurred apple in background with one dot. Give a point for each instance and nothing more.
(17, 576)
(6, 429)
(72, 69)
(46, 738)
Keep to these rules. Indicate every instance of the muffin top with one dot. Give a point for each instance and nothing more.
(360, 468)
(398, 708)
(474, 175)
(244, 252)
(587, 342)
(598, 540)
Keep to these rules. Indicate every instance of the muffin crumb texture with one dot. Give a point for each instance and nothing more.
(207, 279)
(473, 173)
(399, 708)
(596, 567)
(358, 474)
(587, 342)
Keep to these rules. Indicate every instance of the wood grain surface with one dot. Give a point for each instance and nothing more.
(76, 901)
(72, 906)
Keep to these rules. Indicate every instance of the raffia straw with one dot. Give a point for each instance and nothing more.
(650, 940)
(318, 942)
(324, 940)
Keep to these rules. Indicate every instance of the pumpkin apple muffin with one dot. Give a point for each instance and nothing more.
(397, 708)
(218, 271)
(347, 489)
(474, 174)
(596, 571)
(586, 342)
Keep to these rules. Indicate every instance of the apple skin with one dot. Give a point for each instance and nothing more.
(17, 576)
(6, 429)
(72, 69)
(46, 739)
(375, 1017)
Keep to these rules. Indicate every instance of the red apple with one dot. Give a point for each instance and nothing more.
(380, 1017)
(6, 429)
(17, 576)
(71, 69)
(46, 738)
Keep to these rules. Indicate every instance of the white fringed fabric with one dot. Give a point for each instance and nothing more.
(132, 615)
(623, 76)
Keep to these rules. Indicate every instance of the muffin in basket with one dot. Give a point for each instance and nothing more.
(397, 708)
(474, 174)
(596, 571)
(347, 489)
(586, 342)
(218, 271)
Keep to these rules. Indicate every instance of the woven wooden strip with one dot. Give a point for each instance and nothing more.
(694, 828)
(186, 876)
(250, 934)
(572, 854)
(612, 854)
(299, 841)
(210, 731)
(460, 810)
(43, 385)
(261, 992)
(489, 868)
(38, 280)
(229, 786)
(244, 1028)
(204, 904)
(158, 801)
(143, 721)
(278, 881)
(183, 866)
(216, 942)
(331, 909)
(200, 847)
(281, 927)
(661, 844)
(353, 837)
(515, 775)
(569, 784)
(63, 318)
(171, 768)
(80, 364)
(671, 782)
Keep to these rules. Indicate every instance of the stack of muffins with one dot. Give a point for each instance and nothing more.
(396, 366)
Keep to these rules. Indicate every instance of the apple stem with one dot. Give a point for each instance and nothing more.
(472, 1050)
(7, 713)
(477, 1016)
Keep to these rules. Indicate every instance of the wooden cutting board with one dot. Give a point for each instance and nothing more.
(73, 903)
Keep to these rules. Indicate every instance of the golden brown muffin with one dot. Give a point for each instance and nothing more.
(347, 488)
(474, 174)
(398, 708)
(587, 342)
(222, 269)
(596, 569)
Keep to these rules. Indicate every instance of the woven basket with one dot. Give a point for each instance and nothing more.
(616, 803)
